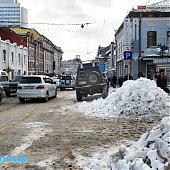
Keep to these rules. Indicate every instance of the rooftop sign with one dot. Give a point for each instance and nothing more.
(153, 8)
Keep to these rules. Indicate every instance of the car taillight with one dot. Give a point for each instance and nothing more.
(40, 87)
(19, 87)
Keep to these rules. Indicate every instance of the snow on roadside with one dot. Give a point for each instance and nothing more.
(29, 139)
(135, 97)
(150, 152)
(99, 160)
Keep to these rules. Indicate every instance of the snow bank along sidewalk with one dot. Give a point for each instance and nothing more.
(152, 151)
(135, 97)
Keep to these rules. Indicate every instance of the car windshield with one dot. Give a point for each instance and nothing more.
(16, 78)
(26, 80)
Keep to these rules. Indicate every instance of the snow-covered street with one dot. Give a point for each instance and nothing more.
(130, 129)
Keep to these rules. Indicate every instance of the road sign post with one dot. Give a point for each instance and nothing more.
(128, 55)
(127, 60)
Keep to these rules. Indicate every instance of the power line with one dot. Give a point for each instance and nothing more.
(164, 2)
(45, 23)
(147, 2)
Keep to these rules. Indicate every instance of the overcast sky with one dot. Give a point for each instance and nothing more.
(104, 16)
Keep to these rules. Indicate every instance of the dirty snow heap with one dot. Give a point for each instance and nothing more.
(135, 97)
(152, 151)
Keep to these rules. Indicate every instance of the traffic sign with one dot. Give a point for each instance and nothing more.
(127, 55)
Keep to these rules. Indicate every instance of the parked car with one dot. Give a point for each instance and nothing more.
(90, 81)
(2, 94)
(11, 86)
(36, 87)
(57, 80)
(67, 81)
(4, 81)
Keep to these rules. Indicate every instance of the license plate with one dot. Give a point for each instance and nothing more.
(29, 87)
(12, 90)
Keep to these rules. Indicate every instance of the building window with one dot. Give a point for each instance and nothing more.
(151, 39)
(19, 72)
(12, 57)
(24, 59)
(19, 58)
(4, 55)
(168, 38)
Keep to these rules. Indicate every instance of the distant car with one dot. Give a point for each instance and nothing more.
(11, 86)
(67, 81)
(4, 81)
(57, 80)
(2, 94)
(90, 81)
(36, 87)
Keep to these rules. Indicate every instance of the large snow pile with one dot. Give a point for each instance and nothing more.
(135, 97)
(152, 151)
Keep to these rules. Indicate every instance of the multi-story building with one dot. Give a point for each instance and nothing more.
(144, 37)
(12, 14)
(14, 58)
(48, 55)
(43, 55)
(105, 56)
(58, 53)
(70, 66)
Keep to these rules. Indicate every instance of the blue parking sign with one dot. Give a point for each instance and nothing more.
(128, 55)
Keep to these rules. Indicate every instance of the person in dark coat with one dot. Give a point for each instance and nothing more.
(126, 77)
(140, 74)
(120, 81)
(162, 81)
(114, 81)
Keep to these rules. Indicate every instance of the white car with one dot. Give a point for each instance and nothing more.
(57, 80)
(36, 87)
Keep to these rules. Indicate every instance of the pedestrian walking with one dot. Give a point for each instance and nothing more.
(156, 76)
(162, 81)
(128, 77)
(140, 74)
(120, 81)
(114, 81)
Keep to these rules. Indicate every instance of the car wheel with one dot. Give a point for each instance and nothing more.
(21, 100)
(93, 77)
(67, 82)
(104, 92)
(55, 93)
(79, 96)
(46, 97)
(7, 94)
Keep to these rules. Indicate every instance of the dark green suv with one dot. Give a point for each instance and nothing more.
(90, 81)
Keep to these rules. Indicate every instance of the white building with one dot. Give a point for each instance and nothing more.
(14, 58)
(12, 14)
